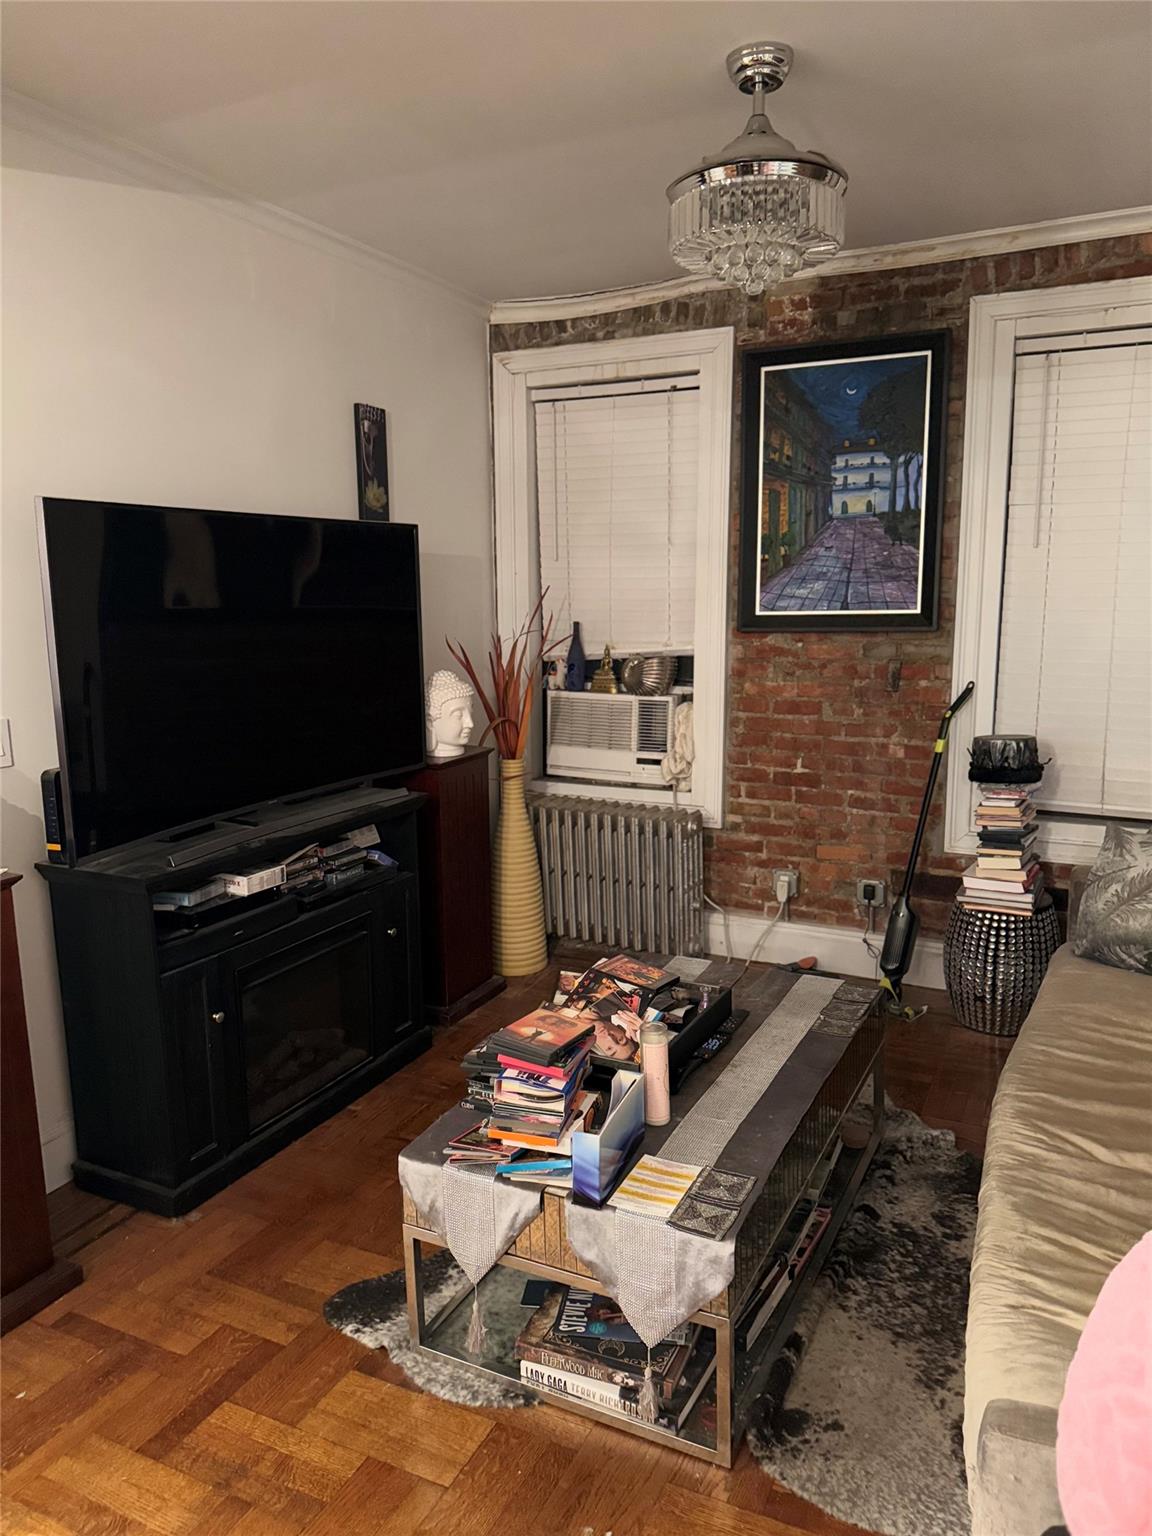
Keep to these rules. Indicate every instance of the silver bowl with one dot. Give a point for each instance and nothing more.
(648, 674)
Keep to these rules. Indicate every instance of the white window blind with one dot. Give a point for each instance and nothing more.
(1075, 664)
(617, 475)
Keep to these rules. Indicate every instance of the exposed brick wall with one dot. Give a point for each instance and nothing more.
(829, 735)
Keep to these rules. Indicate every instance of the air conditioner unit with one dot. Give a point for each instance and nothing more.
(613, 738)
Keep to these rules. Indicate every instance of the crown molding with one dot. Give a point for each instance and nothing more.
(132, 164)
(879, 258)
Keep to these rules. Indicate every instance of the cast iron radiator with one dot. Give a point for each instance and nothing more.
(625, 876)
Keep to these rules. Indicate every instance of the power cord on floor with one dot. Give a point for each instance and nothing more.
(867, 938)
(781, 911)
(781, 908)
(716, 907)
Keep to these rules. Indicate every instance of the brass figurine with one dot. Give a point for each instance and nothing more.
(604, 678)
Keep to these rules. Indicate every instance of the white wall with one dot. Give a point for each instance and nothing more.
(159, 347)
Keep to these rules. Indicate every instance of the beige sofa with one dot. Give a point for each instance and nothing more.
(1066, 1191)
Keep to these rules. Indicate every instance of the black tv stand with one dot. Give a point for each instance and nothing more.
(199, 1047)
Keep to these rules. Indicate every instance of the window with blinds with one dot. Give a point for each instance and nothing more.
(1075, 662)
(617, 493)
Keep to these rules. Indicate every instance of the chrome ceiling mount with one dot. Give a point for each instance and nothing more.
(760, 67)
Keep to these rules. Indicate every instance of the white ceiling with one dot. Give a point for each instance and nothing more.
(515, 149)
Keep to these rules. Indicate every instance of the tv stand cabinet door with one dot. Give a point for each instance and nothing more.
(399, 996)
(192, 1004)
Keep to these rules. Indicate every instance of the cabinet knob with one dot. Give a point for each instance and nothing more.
(217, 1018)
(393, 933)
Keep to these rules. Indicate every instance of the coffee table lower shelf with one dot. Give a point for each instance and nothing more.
(716, 1426)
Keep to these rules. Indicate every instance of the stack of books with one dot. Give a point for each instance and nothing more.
(1006, 876)
(577, 1345)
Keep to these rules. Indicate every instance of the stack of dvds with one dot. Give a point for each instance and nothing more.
(344, 860)
(538, 1098)
(528, 1079)
(618, 994)
(482, 1065)
(1006, 877)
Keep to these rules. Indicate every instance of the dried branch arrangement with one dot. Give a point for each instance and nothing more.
(516, 676)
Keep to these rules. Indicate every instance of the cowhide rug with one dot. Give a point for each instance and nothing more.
(863, 1413)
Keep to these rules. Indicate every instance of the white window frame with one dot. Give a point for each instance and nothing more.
(995, 324)
(708, 353)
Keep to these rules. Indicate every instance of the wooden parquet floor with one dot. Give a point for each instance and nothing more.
(190, 1386)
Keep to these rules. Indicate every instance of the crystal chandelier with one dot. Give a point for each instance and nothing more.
(761, 209)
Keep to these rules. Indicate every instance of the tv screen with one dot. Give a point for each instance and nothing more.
(210, 661)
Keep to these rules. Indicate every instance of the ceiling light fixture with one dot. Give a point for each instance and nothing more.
(761, 209)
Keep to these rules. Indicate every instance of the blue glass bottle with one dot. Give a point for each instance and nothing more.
(576, 667)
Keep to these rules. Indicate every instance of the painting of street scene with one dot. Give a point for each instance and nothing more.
(845, 526)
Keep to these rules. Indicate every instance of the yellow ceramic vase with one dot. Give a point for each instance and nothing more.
(519, 941)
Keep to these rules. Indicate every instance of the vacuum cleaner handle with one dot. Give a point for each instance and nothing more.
(903, 924)
(926, 804)
(956, 705)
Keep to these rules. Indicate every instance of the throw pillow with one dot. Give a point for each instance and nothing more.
(1114, 924)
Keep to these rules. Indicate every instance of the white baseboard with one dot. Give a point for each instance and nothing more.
(836, 949)
(58, 1149)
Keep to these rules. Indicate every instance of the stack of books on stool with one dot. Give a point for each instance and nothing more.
(1006, 877)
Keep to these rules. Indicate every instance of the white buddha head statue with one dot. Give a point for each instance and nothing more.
(448, 712)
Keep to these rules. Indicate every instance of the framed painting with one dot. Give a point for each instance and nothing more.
(842, 484)
(372, 463)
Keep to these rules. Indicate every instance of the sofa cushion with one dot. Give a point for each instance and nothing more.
(1114, 919)
(1067, 1185)
(1014, 1490)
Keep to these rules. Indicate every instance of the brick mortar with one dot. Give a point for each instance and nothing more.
(829, 735)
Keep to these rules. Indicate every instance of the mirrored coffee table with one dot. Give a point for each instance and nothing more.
(784, 1139)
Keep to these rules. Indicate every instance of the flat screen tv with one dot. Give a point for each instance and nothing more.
(208, 662)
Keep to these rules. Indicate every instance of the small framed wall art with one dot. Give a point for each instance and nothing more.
(372, 463)
(842, 483)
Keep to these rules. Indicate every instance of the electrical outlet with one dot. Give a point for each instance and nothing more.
(871, 893)
(6, 758)
(785, 883)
